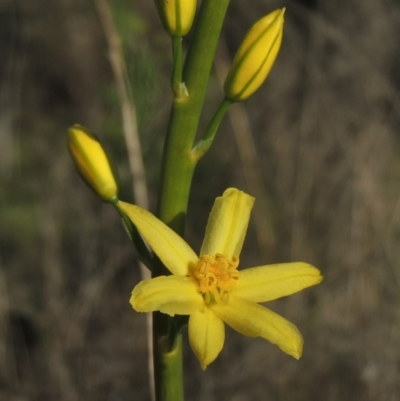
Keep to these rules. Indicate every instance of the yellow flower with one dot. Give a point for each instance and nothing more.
(177, 15)
(255, 57)
(210, 289)
(91, 161)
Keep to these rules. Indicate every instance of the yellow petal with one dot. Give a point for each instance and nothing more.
(171, 295)
(206, 335)
(254, 320)
(227, 224)
(265, 283)
(173, 250)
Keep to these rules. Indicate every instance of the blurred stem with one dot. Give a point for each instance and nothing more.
(128, 109)
(177, 172)
(131, 135)
(250, 163)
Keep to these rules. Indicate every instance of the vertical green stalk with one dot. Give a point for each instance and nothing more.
(177, 171)
(178, 164)
(167, 360)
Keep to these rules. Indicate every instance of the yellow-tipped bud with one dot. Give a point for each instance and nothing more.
(177, 15)
(92, 162)
(255, 57)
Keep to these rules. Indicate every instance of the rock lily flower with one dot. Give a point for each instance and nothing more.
(210, 289)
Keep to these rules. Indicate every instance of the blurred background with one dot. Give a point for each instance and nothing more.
(318, 146)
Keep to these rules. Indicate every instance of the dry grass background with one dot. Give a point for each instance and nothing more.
(319, 146)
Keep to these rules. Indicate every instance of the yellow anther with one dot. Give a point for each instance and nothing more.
(217, 276)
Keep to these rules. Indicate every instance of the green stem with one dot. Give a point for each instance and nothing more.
(178, 163)
(178, 87)
(170, 369)
(177, 171)
(204, 144)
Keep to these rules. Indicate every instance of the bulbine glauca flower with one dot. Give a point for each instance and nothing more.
(177, 15)
(255, 57)
(91, 160)
(210, 288)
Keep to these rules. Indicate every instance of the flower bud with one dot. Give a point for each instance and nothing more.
(92, 162)
(177, 15)
(255, 57)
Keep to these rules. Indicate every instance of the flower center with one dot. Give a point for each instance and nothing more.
(217, 276)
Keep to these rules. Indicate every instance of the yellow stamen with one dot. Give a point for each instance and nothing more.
(217, 276)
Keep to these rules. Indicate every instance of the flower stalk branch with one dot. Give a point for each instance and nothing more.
(205, 143)
(178, 87)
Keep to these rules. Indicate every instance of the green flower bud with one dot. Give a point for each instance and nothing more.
(177, 15)
(92, 162)
(255, 57)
